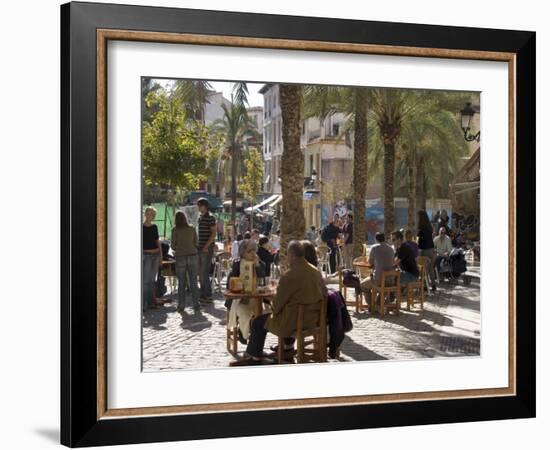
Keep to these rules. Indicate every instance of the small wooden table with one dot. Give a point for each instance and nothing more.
(257, 297)
(362, 264)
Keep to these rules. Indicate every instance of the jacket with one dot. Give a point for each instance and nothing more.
(184, 241)
(335, 322)
(300, 284)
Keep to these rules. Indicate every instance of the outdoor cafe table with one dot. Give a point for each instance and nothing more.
(256, 297)
(359, 267)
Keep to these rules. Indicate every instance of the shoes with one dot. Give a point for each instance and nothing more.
(288, 356)
(246, 362)
(197, 309)
(275, 348)
(433, 288)
(206, 300)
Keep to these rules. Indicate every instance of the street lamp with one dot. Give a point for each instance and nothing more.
(315, 178)
(465, 119)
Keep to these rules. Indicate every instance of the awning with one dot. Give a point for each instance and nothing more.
(228, 203)
(259, 205)
(277, 200)
(213, 201)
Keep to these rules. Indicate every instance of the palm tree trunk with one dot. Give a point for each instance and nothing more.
(292, 167)
(389, 170)
(234, 164)
(420, 185)
(411, 197)
(360, 166)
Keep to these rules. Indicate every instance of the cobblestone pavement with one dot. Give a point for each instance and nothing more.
(449, 326)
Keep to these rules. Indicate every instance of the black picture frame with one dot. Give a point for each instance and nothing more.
(80, 425)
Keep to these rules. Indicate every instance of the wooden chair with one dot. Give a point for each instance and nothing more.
(232, 337)
(362, 272)
(390, 284)
(314, 349)
(222, 267)
(358, 303)
(415, 290)
(168, 271)
(343, 289)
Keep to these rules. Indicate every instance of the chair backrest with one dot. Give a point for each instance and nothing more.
(390, 278)
(322, 252)
(422, 262)
(322, 305)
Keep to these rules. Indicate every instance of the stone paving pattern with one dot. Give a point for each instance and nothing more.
(449, 326)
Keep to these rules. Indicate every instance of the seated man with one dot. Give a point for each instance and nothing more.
(443, 247)
(300, 284)
(404, 258)
(381, 258)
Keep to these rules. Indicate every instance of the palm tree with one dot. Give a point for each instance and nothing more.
(150, 106)
(321, 102)
(193, 94)
(360, 169)
(389, 108)
(429, 134)
(433, 141)
(237, 129)
(292, 166)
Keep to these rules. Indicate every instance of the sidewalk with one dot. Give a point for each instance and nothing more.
(449, 326)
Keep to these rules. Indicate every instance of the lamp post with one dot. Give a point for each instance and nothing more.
(315, 178)
(465, 123)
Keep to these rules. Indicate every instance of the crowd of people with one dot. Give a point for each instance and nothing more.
(193, 249)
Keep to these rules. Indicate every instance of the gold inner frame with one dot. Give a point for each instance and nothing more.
(103, 36)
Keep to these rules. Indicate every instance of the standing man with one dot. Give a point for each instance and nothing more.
(207, 238)
(330, 236)
(348, 242)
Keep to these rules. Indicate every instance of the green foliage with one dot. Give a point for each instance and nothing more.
(175, 148)
(193, 96)
(429, 135)
(252, 180)
(149, 85)
(233, 131)
(237, 129)
(240, 93)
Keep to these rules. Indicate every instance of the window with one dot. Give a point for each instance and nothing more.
(335, 129)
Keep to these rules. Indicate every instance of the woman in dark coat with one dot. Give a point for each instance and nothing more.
(426, 243)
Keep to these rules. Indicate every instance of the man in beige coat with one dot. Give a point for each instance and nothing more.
(301, 284)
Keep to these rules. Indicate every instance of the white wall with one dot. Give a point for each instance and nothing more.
(29, 165)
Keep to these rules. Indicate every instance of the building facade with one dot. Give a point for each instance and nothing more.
(328, 156)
